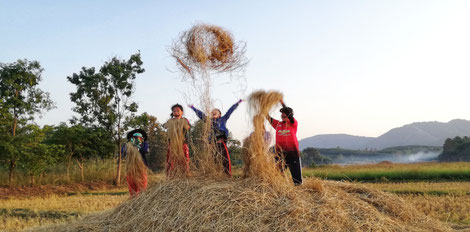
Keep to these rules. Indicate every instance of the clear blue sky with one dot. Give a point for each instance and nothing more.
(356, 67)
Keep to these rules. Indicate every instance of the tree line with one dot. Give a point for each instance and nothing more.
(456, 149)
(104, 111)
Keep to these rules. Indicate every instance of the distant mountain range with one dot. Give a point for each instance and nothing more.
(418, 133)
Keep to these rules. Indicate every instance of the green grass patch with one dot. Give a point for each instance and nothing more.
(27, 213)
(393, 172)
(416, 192)
(99, 193)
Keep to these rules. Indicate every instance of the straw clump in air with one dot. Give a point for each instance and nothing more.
(203, 204)
(199, 52)
(206, 48)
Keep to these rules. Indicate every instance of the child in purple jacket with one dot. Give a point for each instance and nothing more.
(220, 133)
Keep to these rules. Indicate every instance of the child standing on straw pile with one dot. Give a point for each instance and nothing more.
(219, 134)
(134, 151)
(287, 145)
(177, 157)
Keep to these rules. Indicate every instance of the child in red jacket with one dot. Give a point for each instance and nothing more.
(287, 145)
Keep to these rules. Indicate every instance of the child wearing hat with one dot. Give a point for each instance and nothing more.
(136, 164)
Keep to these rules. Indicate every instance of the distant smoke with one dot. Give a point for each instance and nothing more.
(421, 156)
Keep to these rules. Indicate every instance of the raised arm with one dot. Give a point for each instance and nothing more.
(199, 113)
(233, 108)
(290, 116)
(273, 122)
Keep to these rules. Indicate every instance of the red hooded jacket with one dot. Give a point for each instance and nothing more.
(286, 135)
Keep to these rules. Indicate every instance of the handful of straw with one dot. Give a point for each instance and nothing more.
(258, 162)
(176, 136)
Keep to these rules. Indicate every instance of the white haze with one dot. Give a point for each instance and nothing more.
(413, 158)
(422, 156)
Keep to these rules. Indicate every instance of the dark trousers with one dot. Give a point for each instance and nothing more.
(292, 160)
(222, 153)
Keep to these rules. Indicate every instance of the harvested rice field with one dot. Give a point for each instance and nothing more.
(20, 213)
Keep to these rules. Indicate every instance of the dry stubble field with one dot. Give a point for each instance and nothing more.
(446, 201)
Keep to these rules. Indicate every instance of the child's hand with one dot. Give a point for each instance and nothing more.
(282, 102)
(191, 105)
(240, 101)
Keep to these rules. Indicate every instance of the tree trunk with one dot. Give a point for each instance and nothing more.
(10, 174)
(117, 182)
(15, 122)
(12, 161)
(32, 179)
(68, 168)
(80, 165)
(82, 174)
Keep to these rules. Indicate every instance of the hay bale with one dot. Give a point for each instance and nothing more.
(208, 48)
(198, 204)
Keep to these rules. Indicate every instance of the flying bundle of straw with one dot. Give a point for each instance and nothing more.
(257, 160)
(198, 204)
(208, 48)
(179, 164)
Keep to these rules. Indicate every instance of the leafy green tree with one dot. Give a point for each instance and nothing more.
(311, 157)
(103, 99)
(20, 100)
(36, 155)
(457, 149)
(97, 144)
(71, 138)
(79, 144)
(234, 147)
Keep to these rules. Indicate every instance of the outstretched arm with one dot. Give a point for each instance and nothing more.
(269, 118)
(233, 108)
(290, 116)
(199, 113)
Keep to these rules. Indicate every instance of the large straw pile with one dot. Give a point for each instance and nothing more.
(198, 204)
(208, 48)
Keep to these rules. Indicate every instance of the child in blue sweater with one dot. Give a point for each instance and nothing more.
(220, 133)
